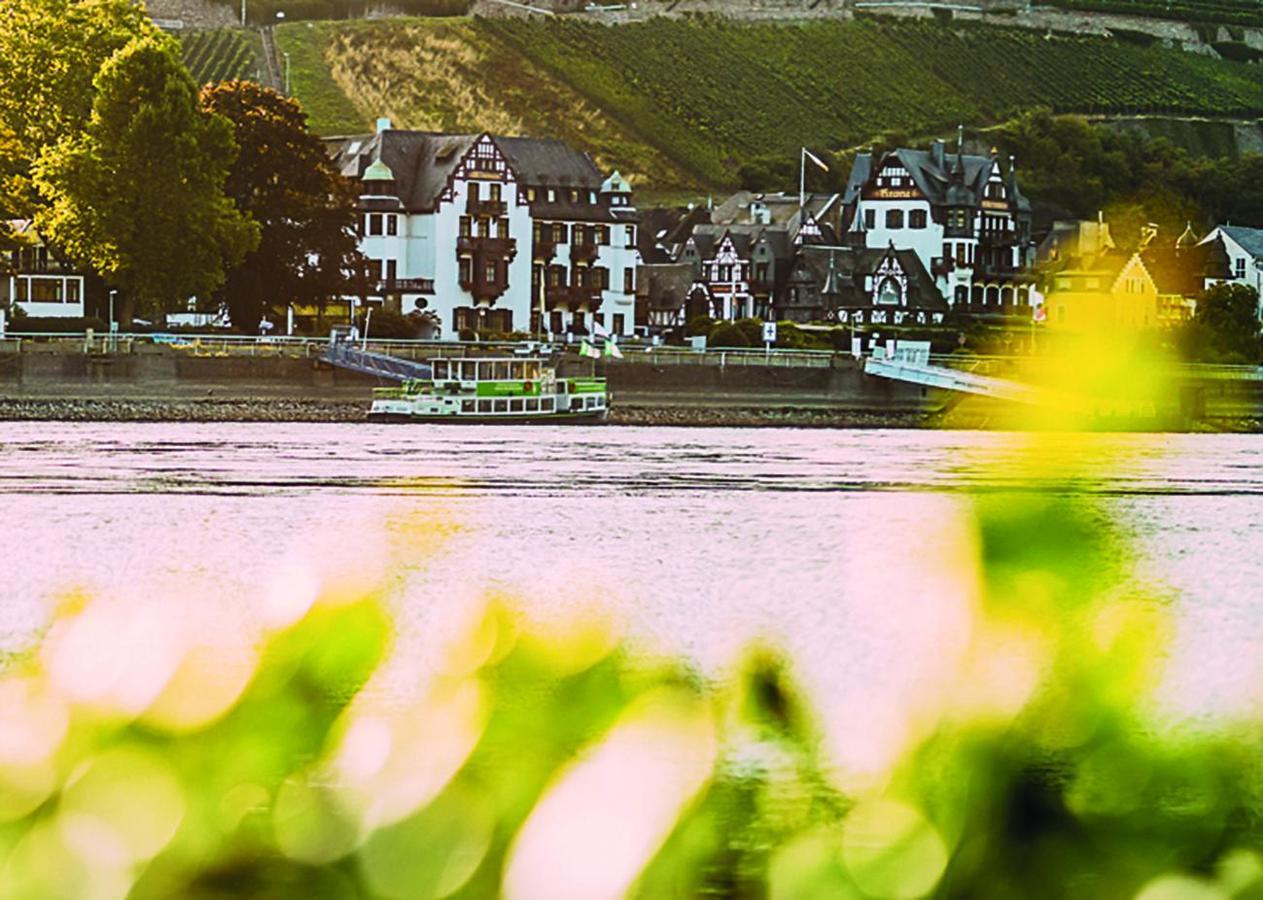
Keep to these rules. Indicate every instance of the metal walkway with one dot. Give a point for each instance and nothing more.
(345, 355)
(953, 380)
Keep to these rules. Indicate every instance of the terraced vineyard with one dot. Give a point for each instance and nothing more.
(686, 101)
(220, 55)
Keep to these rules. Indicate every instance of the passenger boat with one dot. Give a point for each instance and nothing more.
(492, 391)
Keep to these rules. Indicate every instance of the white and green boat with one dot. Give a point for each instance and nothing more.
(492, 391)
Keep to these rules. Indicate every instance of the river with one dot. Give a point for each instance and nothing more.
(842, 547)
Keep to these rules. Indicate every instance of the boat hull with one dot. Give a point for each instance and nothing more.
(592, 417)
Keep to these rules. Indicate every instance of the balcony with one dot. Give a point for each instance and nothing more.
(545, 250)
(572, 297)
(942, 266)
(492, 208)
(495, 247)
(406, 286)
(586, 252)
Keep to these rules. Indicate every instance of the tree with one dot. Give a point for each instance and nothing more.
(50, 53)
(284, 180)
(1226, 325)
(138, 195)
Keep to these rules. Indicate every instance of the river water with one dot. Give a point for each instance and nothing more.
(842, 547)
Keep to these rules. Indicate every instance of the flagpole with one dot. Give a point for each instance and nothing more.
(802, 183)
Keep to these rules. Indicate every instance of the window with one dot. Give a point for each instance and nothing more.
(546, 404)
(504, 228)
(537, 277)
(629, 236)
(537, 232)
(464, 226)
(577, 320)
(532, 404)
(484, 228)
(72, 290)
(554, 322)
(574, 196)
(530, 195)
(559, 233)
(515, 404)
(870, 219)
(466, 268)
(894, 218)
(495, 191)
(375, 223)
(501, 405)
(576, 235)
(1239, 267)
(725, 272)
(474, 189)
(620, 321)
(603, 235)
(467, 406)
(484, 406)
(592, 198)
(916, 218)
(392, 267)
(392, 225)
(890, 292)
(629, 281)
(489, 272)
(552, 196)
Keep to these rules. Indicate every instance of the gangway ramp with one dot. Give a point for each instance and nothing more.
(929, 375)
(346, 355)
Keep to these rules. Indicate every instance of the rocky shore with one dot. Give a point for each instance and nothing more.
(288, 409)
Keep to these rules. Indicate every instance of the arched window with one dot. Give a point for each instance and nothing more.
(962, 294)
(890, 292)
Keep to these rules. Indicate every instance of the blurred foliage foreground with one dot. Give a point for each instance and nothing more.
(139, 759)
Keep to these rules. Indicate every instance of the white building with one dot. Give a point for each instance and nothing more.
(962, 215)
(40, 284)
(1244, 250)
(494, 233)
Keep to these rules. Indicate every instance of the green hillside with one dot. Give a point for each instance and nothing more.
(221, 55)
(683, 102)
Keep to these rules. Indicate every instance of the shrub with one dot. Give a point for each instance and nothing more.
(387, 324)
(727, 334)
(752, 329)
(698, 325)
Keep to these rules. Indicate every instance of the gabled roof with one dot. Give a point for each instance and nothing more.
(1250, 239)
(423, 162)
(944, 178)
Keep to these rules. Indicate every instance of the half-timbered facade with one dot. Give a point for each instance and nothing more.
(962, 215)
(492, 233)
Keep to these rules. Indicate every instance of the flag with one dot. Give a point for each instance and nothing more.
(815, 159)
(586, 349)
(599, 330)
(611, 350)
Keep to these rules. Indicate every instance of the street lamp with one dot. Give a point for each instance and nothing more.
(286, 55)
(113, 324)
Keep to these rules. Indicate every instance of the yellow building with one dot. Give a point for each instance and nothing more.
(1110, 291)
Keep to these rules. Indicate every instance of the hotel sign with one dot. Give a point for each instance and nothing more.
(483, 175)
(886, 193)
(996, 205)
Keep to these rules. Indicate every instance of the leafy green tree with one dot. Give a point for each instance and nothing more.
(50, 53)
(283, 179)
(1226, 326)
(138, 196)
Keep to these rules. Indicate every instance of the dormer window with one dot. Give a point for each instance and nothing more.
(890, 292)
(552, 195)
(592, 197)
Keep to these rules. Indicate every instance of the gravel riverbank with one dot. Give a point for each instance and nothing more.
(287, 409)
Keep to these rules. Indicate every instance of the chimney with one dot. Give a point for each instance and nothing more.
(938, 153)
(383, 124)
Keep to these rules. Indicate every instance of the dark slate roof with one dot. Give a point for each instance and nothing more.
(423, 161)
(946, 178)
(665, 286)
(851, 265)
(1250, 239)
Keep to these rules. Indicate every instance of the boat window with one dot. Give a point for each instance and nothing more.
(600, 401)
(502, 371)
(532, 404)
(562, 386)
(515, 371)
(546, 404)
(467, 406)
(440, 370)
(515, 405)
(532, 371)
(502, 405)
(484, 406)
(471, 371)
